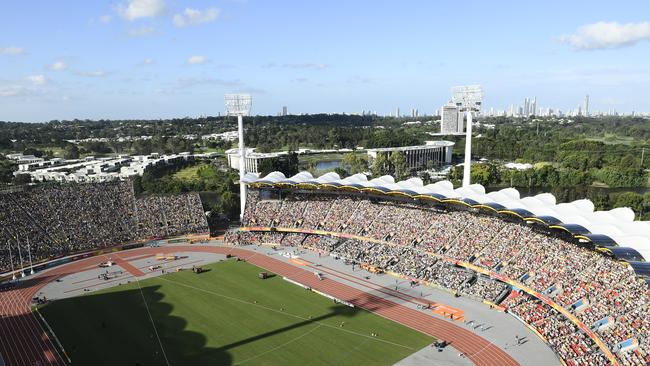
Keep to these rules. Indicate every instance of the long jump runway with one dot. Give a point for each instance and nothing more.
(23, 341)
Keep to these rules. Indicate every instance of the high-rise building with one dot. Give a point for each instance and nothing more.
(397, 112)
(284, 110)
(414, 112)
(586, 110)
(533, 107)
(452, 119)
(526, 106)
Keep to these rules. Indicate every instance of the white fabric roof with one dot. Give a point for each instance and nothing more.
(618, 223)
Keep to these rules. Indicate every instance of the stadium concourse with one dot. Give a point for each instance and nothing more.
(577, 277)
(24, 342)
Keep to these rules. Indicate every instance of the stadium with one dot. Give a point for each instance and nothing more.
(322, 271)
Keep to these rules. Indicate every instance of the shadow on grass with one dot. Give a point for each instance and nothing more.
(115, 328)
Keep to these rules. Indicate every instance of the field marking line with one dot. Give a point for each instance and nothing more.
(51, 331)
(280, 346)
(285, 313)
(152, 322)
(482, 349)
(350, 352)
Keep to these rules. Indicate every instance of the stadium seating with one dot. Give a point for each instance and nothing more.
(410, 238)
(60, 219)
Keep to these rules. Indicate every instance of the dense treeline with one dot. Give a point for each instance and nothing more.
(7, 167)
(211, 177)
(565, 184)
(287, 164)
(586, 143)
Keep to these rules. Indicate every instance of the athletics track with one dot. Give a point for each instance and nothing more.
(24, 342)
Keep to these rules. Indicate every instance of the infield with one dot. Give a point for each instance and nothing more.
(225, 316)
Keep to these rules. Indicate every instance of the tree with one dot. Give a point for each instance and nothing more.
(426, 178)
(71, 151)
(632, 200)
(646, 203)
(98, 147)
(601, 200)
(5, 142)
(341, 172)
(456, 174)
(399, 165)
(287, 164)
(22, 179)
(7, 168)
(380, 165)
(484, 174)
(229, 203)
(355, 163)
(291, 164)
(31, 151)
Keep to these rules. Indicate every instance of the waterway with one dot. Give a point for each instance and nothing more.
(327, 165)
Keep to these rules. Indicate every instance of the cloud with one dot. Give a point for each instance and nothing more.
(356, 79)
(190, 82)
(142, 31)
(37, 79)
(195, 17)
(306, 66)
(197, 60)
(603, 35)
(12, 51)
(105, 19)
(148, 61)
(11, 91)
(92, 74)
(58, 66)
(312, 66)
(141, 9)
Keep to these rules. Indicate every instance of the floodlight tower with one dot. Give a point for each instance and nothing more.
(240, 105)
(468, 99)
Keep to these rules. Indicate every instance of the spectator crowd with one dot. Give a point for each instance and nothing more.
(51, 221)
(423, 242)
(169, 215)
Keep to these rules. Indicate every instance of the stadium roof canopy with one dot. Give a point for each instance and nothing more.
(610, 229)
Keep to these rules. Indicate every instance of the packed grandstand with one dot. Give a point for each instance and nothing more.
(580, 287)
(567, 283)
(58, 220)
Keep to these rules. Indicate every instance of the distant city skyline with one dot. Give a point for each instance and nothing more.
(132, 59)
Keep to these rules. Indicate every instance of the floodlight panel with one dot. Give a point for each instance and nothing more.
(238, 104)
(469, 97)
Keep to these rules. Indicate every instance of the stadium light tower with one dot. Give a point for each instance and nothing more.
(468, 99)
(240, 105)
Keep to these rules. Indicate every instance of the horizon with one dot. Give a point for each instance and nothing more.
(159, 59)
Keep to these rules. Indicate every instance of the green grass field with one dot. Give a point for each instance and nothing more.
(190, 173)
(226, 316)
(612, 139)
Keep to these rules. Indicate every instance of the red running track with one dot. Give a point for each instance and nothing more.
(23, 341)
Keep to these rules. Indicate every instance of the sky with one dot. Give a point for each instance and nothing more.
(132, 59)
